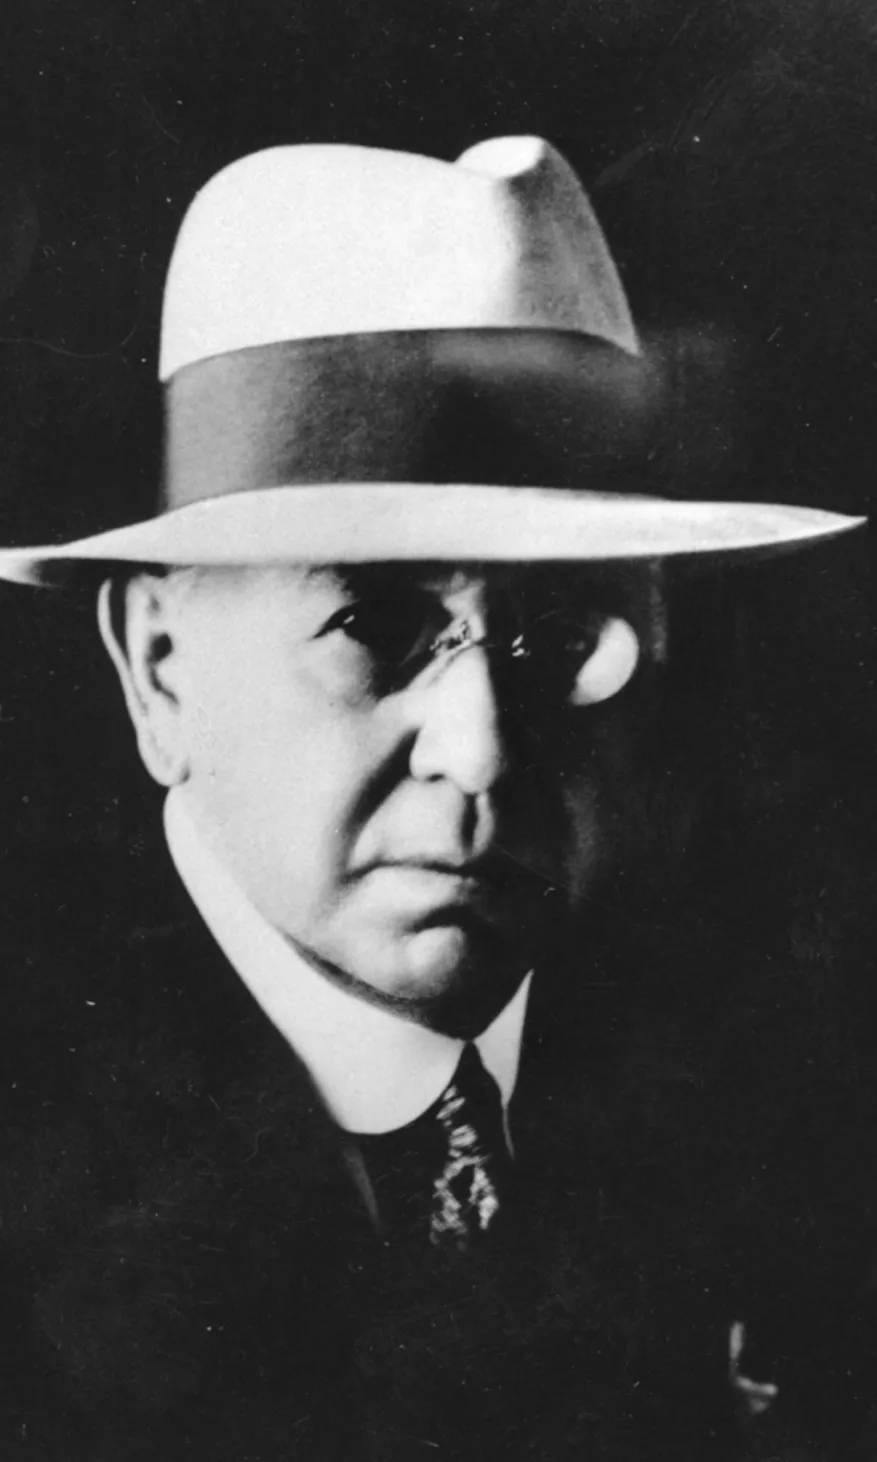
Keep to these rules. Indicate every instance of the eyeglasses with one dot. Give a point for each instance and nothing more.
(582, 663)
(555, 658)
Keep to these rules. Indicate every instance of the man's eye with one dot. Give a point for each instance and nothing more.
(396, 632)
(565, 636)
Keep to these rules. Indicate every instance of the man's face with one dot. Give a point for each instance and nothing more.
(417, 820)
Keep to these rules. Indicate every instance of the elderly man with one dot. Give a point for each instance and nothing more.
(327, 1177)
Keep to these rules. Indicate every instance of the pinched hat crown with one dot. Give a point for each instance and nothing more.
(370, 355)
(304, 242)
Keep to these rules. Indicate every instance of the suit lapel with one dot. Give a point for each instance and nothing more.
(205, 1272)
(202, 1263)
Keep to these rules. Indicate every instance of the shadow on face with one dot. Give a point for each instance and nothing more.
(399, 764)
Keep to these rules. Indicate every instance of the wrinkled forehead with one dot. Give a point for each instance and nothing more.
(631, 589)
(492, 582)
(495, 578)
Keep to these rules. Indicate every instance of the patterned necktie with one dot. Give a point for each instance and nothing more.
(467, 1191)
(443, 1177)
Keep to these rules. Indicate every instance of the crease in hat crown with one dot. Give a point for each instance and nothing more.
(303, 276)
(317, 240)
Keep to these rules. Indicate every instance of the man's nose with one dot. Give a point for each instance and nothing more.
(460, 733)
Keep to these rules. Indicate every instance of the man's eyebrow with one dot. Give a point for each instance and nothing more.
(355, 579)
(344, 577)
(327, 576)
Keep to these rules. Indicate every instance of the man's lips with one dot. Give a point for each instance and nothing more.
(487, 878)
(486, 869)
(472, 868)
(491, 892)
(425, 892)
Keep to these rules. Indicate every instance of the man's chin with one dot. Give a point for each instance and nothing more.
(437, 959)
(446, 975)
(450, 977)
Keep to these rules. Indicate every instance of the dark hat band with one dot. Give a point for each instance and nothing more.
(504, 407)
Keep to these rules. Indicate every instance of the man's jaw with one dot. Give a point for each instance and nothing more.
(451, 974)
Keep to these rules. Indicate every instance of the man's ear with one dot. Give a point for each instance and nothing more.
(137, 626)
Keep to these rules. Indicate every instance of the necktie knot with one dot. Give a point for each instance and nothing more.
(445, 1173)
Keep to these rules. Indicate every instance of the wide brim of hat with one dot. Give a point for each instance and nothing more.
(385, 522)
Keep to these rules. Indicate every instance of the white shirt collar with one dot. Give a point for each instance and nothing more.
(374, 1069)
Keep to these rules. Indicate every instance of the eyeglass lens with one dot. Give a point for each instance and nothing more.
(551, 646)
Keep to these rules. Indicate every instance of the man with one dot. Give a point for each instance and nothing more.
(328, 1176)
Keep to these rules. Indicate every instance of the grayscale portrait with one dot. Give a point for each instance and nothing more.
(414, 1057)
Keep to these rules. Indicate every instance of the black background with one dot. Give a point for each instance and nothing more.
(731, 151)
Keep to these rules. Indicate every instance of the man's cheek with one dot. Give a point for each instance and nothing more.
(588, 845)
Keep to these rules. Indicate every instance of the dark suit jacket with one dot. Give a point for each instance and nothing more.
(189, 1270)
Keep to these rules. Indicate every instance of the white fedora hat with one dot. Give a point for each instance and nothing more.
(370, 355)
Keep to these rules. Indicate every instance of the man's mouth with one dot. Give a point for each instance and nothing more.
(432, 875)
(487, 885)
(455, 868)
(487, 869)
